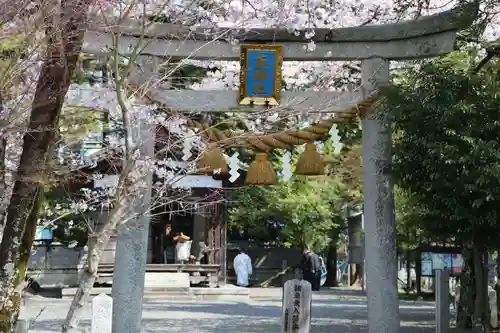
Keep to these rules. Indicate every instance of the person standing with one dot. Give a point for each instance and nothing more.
(182, 248)
(243, 267)
(168, 235)
(316, 271)
(305, 265)
(311, 269)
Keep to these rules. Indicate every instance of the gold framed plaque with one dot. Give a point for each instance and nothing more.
(260, 74)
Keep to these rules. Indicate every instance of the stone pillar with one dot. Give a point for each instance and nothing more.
(132, 238)
(379, 220)
(442, 301)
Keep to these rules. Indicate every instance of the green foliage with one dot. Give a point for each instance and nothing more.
(446, 150)
(77, 123)
(409, 215)
(310, 211)
(303, 212)
(13, 49)
(299, 213)
(347, 167)
(251, 215)
(11, 46)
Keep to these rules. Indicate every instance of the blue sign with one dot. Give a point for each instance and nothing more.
(43, 234)
(261, 82)
(260, 76)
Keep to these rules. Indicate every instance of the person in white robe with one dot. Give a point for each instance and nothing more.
(243, 267)
(182, 248)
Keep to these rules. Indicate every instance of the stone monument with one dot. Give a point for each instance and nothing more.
(297, 301)
(102, 308)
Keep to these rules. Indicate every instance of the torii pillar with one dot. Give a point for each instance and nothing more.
(430, 38)
(380, 224)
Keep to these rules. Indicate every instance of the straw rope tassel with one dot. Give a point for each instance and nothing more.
(310, 162)
(212, 161)
(260, 172)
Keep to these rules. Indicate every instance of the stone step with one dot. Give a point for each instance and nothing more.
(70, 292)
(148, 297)
(176, 293)
(229, 291)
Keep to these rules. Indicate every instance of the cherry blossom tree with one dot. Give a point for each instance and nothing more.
(64, 26)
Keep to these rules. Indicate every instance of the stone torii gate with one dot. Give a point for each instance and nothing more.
(376, 46)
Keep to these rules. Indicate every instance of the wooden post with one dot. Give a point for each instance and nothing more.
(217, 224)
(296, 310)
(223, 244)
(209, 232)
(284, 266)
(491, 292)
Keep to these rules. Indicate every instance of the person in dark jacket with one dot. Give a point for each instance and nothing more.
(316, 285)
(311, 269)
(304, 265)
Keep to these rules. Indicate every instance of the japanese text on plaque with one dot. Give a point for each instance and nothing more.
(296, 307)
(260, 74)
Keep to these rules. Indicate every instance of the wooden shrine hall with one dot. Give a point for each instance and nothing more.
(201, 218)
(206, 229)
(206, 224)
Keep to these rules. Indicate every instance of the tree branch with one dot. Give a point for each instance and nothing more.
(491, 51)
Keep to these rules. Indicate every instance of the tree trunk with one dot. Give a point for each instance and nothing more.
(486, 303)
(27, 244)
(9, 315)
(478, 277)
(64, 41)
(96, 245)
(3, 185)
(480, 309)
(465, 309)
(331, 266)
(355, 274)
(408, 272)
(497, 285)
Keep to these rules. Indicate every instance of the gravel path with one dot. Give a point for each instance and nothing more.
(329, 315)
